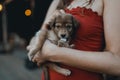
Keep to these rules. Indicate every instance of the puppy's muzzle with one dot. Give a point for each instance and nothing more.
(63, 35)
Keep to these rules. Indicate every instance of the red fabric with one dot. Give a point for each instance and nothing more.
(89, 37)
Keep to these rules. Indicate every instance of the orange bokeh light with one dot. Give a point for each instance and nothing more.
(28, 12)
(1, 7)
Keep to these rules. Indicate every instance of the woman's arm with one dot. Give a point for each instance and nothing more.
(103, 62)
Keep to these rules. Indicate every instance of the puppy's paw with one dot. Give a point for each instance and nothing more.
(66, 72)
(28, 48)
(60, 43)
(72, 46)
(32, 52)
(30, 56)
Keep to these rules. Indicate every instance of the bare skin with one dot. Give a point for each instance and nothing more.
(107, 61)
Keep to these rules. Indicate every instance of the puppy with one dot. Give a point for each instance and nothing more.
(61, 31)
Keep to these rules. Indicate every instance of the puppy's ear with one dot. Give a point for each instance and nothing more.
(52, 23)
(76, 24)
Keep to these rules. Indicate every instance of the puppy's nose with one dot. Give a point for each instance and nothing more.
(63, 35)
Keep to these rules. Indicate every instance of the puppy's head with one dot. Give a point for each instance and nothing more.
(64, 26)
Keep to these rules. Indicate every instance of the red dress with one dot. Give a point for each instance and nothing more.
(89, 37)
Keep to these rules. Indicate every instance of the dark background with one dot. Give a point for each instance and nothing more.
(23, 25)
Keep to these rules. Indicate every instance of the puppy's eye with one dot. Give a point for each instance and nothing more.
(69, 26)
(58, 25)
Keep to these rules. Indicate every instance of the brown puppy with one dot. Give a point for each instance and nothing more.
(62, 29)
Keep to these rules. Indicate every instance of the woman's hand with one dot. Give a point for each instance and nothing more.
(46, 52)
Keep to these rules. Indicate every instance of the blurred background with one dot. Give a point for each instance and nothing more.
(19, 20)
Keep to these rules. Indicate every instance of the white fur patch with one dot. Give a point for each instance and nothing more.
(63, 39)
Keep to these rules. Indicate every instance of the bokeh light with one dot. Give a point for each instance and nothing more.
(1, 7)
(28, 12)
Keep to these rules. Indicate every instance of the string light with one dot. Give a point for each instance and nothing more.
(28, 12)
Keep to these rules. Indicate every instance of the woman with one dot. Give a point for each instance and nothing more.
(100, 26)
